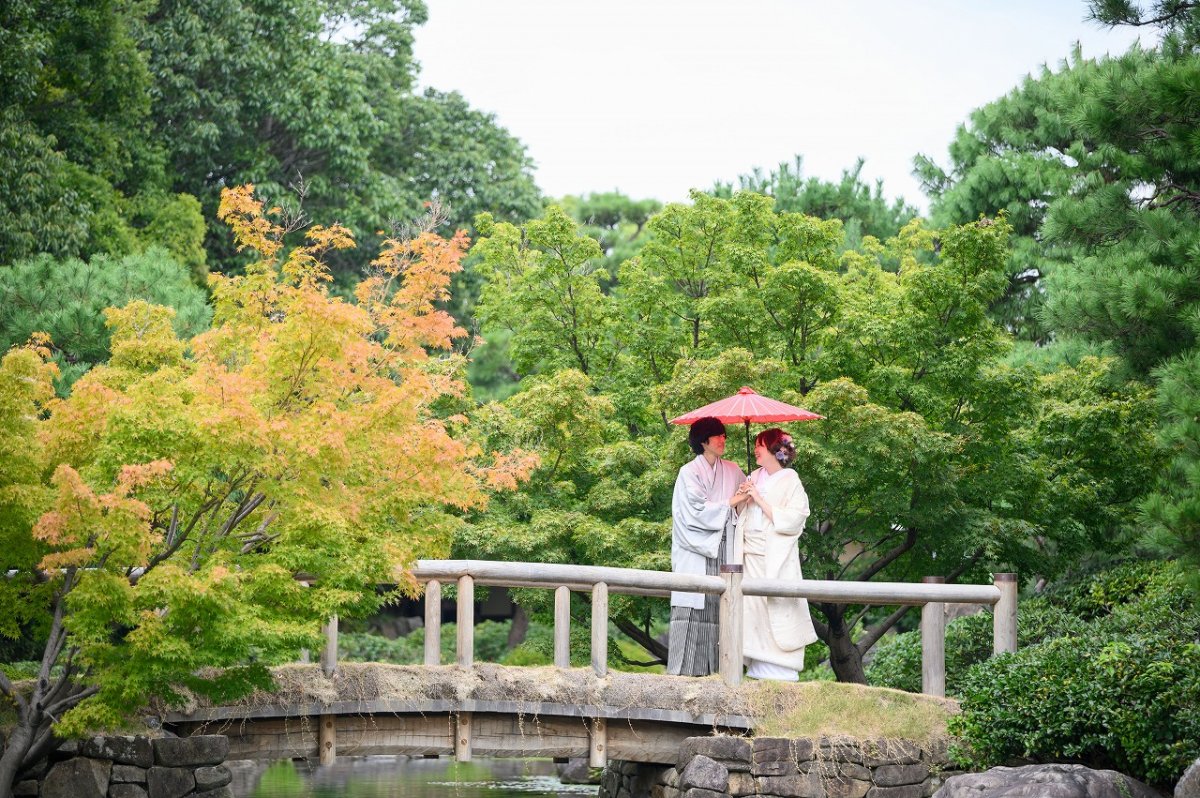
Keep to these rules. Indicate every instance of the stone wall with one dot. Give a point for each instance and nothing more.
(732, 767)
(133, 767)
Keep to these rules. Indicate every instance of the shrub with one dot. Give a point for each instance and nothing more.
(1122, 692)
(491, 645)
(897, 661)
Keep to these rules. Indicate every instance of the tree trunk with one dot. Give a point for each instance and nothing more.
(844, 656)
(17, 745)
(519, 628)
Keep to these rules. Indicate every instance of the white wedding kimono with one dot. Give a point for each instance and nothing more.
(775, 630)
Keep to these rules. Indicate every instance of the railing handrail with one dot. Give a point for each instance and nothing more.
(634, 581)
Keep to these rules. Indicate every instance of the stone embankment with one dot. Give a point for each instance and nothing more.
(837, 767)
(133, 767)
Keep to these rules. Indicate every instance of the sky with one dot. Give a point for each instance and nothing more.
(655, 97)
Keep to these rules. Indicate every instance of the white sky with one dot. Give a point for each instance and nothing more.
(653, 97)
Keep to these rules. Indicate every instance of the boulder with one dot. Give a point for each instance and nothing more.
(1045, 781)
(203, 749)
(1189, 785)
(575, 771)
(22, 789)
(127, 791)
(732, 752)
(801, 785)
(128, 774)
(78, 778)
(121, 750)
(166, 782)
(704, 773)
(210, 777)
(220, 792)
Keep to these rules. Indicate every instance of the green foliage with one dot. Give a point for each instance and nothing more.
(861, 208)
(491, 645)
(65, 299)
(1119, 691)
(897, 661)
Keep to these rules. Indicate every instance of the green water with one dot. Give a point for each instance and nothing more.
(393, 777)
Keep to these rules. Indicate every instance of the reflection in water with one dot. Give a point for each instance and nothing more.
(395, 776)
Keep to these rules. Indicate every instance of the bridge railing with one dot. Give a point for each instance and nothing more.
(932, 595)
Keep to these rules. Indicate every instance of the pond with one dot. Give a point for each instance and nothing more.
(396, 776)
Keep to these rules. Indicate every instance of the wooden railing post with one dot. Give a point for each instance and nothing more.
(600, 628)
(729, 641)
(462, 737)
(598, 744)
(327, 740)
(933, 644)
(466, 621)
(329, 654)
(1004, 615)
(433, 622)
(562, 627)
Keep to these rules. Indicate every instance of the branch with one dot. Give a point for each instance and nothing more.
(642, 639)
(871, 636)
(910, 540)
(7, 688)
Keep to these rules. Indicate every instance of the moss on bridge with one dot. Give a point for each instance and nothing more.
(805, 709)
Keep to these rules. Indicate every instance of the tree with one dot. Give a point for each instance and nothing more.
(66, 299)
(543, 285)
(158, 517)
(862, 209)
(936, 455)
(320, 95)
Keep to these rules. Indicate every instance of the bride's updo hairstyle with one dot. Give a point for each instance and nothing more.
(778, 443)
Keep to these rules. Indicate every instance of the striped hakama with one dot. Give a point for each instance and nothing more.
(692, 641)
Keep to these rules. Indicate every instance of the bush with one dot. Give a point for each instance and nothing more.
(897, 661)
(491, 645)
(1122, 692)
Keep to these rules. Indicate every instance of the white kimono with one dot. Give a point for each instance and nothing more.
(700, 518)
(775, 630)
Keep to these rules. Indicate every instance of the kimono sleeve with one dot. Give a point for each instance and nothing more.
(699, 520)
(791, 513)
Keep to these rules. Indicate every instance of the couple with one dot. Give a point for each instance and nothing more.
(718, 516)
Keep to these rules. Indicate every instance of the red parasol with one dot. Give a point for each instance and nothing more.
(747, 406)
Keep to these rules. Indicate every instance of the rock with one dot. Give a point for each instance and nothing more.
(704, 773)
(1188, 785)
(164, 782)
(846, 788)
(741, 784)
(203, 749)
(897, 775)
(77, 778)
(905, 791)
(891, 752)
(779, 756)
(801, 785)
(842, 749)
(852, 771)
(127, 791)
(1045, 781)
(25, 788)
(696, 792)
(220, 792)
(211, 777)
(576, 771)
(121, 750)
(128, 774)
(732, 752)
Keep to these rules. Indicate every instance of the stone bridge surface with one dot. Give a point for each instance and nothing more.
(483, 710)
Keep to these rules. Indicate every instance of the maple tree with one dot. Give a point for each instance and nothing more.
(157, 518)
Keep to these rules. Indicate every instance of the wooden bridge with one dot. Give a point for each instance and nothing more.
(575, 711)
